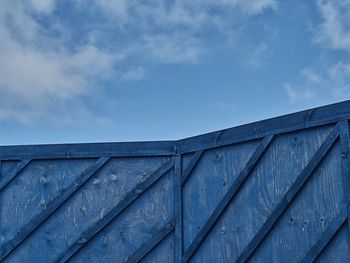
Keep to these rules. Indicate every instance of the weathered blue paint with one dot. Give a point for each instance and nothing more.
(178, 210)
(191, 165)
(6, 178)
(316, 249)
(228, 197)
(289, 195)
(271, 191)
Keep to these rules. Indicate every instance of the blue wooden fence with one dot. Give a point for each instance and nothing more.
(272, 191)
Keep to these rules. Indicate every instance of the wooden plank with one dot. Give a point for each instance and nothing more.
(325, 115)
(345, 151)
(88, 150)
(178, 210)
(195, 159)
(13, 173)
(130, 198)
(290, 195)
(146, 248)
(231, 193)
(326, 236)
(51, 207)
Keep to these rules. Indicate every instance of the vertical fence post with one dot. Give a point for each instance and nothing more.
(345, 161)
(178, 209)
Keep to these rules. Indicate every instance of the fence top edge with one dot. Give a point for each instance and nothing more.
(282, 124)
(88, 150)
(286, 123)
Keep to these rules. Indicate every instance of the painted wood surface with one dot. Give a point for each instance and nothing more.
(272, 191)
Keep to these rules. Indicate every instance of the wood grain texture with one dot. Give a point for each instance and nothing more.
(308, 216)
(338, 249)
(49, 206)
(133, 228)
(163, 252)
(264, 189)
(35, 194)
(10, 175)
(208, 184)
(147, 247)
(104, 220)
(289, 196)
(326, 237)
(228, 197)
(178, 252)
(85, 208)
(191, 165)
(345, 155)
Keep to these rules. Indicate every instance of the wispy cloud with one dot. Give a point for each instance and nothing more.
(334, 31)
(305, 87)
(330, 79)
(39, 78)
(172, 48)
(43, 6)
(297, 94)
(339, 75)
(257, 55)
(314, 83)
(47, 65)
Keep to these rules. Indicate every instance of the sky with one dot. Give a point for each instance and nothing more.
(74, 71)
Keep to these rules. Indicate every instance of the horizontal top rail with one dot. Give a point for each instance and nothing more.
(88, 150)
(287, 123)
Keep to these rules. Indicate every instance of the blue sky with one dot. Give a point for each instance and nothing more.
(124, 70)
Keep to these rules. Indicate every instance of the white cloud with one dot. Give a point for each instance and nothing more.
(43, 6)
(36, 82)
(334, 31)
(171, 31)
(48, 66)
(339, 75)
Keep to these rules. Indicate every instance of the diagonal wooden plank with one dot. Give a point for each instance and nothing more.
(289, 196)
(326, 236)
(137, 191)
(13, 173)
(195, 159)
(231, 193)
(345, 151)
(146, 248)
(51, 206)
